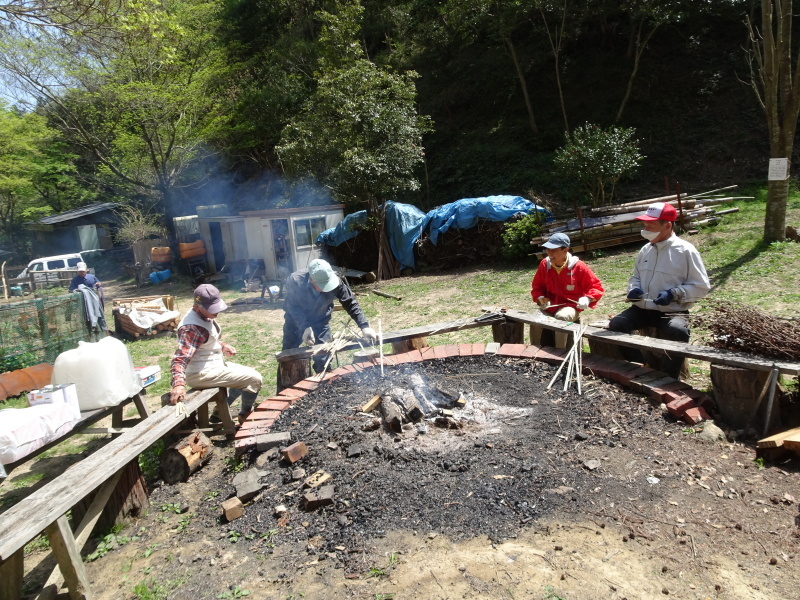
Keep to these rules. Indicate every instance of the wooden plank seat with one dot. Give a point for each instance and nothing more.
(45, 509)
(688, 350)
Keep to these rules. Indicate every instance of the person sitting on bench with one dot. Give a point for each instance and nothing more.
(564, 286)
(200, 361)
(668, 278)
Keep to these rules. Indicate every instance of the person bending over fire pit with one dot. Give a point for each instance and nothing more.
(308, 305)
(668, 278)
(199, 361)
(564, 286)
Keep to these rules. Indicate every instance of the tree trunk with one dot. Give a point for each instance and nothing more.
(185, 457)
(740, 396)
(508, 332)
(407, 345)
(523, 83)
(775, 213)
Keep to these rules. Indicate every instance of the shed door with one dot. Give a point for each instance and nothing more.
(88, 237)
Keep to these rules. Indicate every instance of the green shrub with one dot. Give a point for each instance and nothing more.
(595, 159)
(517, 236)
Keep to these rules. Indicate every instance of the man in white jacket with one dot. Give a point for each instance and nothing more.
(668, 278)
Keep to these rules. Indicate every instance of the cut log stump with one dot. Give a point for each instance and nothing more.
(741, 397)
(185, 457)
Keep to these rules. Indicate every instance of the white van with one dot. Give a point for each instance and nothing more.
(62, 262)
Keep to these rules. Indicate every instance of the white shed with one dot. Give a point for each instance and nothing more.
(282, 238)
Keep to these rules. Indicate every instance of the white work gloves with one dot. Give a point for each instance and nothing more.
(369, 334)
(308, 337)
(543, 301)
(583, 302)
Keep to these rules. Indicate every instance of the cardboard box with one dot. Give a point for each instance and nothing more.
(65, 393)
(148, 375)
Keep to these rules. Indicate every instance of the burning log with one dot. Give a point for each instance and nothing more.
(185, 457)
(400, 406)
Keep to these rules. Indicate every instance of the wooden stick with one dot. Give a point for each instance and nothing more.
(387, 295)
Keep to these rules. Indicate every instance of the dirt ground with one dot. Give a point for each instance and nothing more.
(539, 494)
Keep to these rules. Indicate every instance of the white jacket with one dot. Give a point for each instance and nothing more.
(674, 265)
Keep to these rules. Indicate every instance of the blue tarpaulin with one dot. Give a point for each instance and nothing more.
(464, 213)
(405, 223)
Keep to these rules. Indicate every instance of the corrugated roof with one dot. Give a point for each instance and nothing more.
(75, 213)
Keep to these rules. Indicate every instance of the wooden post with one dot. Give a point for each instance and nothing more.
(69, 560)
(416, 343)
(11, 575)
(292, 371)
(185, 457)
(82, 532)
(508, 332)
(739, 394)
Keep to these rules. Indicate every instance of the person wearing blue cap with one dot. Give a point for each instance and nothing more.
(564, 286)
(308, 306)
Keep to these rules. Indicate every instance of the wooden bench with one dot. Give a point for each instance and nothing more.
(45, 510)
(84, 425)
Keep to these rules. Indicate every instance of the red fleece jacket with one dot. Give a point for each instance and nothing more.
(575, 280)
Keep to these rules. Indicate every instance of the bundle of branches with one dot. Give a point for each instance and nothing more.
(746, 329)
(457, 247)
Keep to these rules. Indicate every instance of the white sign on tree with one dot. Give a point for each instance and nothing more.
(778, 169)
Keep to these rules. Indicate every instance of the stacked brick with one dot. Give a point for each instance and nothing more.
(682, 401)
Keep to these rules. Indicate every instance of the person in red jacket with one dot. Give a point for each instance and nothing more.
(564, 286)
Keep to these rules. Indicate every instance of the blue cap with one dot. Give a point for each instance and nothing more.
(557, 240)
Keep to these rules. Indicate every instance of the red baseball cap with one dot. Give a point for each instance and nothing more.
(660, 211)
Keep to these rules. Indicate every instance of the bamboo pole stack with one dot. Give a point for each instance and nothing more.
(615, 225)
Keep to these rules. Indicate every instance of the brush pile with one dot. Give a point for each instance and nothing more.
(743, 328)
(458, 247)
(615, 225)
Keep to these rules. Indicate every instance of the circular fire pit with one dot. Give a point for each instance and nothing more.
(505, 455)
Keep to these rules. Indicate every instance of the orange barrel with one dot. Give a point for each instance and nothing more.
(160, 254)
(24, 380)
(192, 249)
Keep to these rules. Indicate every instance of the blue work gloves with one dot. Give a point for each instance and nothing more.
(663, 298)
(635, 294)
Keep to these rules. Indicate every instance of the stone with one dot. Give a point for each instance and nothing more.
(232, 509)
(318, 498)
(247, 484)
(354, 451)
(294, 452)
(711, 433)
(272, 440)
(317, 479)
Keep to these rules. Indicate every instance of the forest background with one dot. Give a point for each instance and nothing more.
(169, 104)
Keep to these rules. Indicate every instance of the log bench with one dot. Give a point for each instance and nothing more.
(45, 510)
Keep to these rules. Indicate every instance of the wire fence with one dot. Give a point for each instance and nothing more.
(38, 330)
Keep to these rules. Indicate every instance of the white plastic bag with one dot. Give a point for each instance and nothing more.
(23, 430)
(102, 371)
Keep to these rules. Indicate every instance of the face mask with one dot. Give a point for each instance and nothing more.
(650, 235)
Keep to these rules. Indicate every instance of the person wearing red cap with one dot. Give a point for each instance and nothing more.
(668, 278)
(199, 361)
(564, 286)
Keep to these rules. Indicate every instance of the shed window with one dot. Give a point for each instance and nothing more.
(306, 231)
